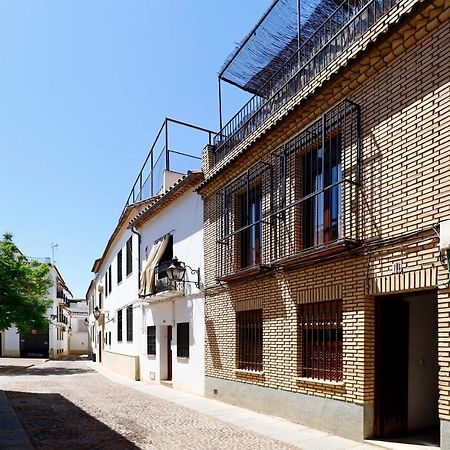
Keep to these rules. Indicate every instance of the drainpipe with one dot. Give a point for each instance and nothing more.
(131, 228)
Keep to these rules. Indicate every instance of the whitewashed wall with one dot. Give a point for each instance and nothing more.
(11, 342)
(122, 294)
(184, 219)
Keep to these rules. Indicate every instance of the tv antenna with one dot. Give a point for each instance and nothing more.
(54, 247)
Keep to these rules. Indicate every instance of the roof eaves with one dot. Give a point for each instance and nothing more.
(192, 178)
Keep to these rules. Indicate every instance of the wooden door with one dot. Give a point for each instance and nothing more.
(34, 343)
(169, 352)
(391, 367)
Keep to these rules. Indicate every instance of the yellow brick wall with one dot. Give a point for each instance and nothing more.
(402, 85)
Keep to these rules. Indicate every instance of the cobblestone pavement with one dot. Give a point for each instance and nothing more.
(66, 405)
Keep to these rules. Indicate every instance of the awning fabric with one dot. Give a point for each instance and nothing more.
(148, 273)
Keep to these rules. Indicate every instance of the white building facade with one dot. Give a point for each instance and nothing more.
(149, 328)
(172, 312)
(77, 311)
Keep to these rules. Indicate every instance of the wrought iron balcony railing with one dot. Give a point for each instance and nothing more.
(162, 282)
(349, 21)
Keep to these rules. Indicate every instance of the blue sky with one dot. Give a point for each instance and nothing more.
(84, 87)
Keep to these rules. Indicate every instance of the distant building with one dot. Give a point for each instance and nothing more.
(78, 336)
(51, 342)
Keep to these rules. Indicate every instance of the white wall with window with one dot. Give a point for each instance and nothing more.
(116, 289)
(173, 319)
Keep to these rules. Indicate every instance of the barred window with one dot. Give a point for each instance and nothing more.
(106, 284)
(119, 326)
(249, 340)
(321, 175)
(183, 340)
(119, 266)
(320, 335)
(151, 340)
(250, 237)
(129, 324)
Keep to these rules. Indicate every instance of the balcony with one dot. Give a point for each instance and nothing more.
(166, 289)
(335, 35)
(299, 203)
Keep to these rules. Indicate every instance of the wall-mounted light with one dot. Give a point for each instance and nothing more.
(177, 271)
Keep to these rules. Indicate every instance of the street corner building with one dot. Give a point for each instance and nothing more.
(57, 339)
(146, 303)
(327, 220)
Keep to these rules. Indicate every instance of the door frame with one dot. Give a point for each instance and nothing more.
(169, 353)
(394, 306)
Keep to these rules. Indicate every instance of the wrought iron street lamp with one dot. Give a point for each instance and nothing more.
(177, 271)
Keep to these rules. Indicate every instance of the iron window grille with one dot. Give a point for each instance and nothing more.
(129, 324)
(249, 340)
(119, 267)
(250, 221)
(320, 336)
(129, 251)
(183, 340)
(119, 325)
(151, 340)
(109, 279)
(106, 284)
(303, 195)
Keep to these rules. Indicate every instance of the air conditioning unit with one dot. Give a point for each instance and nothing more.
(444, 235)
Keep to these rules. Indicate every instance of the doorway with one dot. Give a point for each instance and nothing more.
(100, 343)
(406, 366)
(169, 353)
(34, 343)
(165, 354)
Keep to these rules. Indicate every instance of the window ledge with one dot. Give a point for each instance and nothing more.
(318, 381)
(249, 372)
(245, 273)
(319, 251)
(183, 358)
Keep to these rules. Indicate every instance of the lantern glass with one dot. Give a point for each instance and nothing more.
(176, 270)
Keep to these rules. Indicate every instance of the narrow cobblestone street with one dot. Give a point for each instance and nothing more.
(67, 405)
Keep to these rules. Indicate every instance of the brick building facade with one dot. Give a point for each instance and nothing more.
(326, 294)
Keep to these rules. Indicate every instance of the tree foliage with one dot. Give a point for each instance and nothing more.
(24, 289)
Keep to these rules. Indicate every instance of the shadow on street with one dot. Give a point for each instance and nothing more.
(53, 422)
